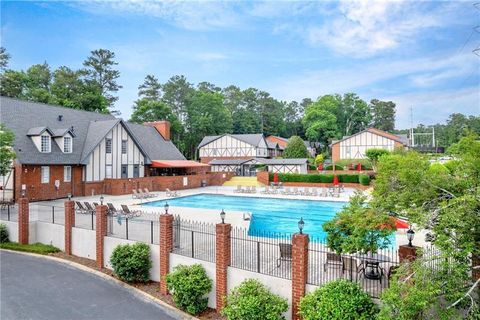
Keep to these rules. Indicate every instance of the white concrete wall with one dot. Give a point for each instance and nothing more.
(228, 146)
(12, 228)
(49, 233)
(176, 260)
(356, 146)
(83, 243)
(279, 286)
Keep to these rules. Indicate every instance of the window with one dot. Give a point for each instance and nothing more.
(108, 171)
(45, 143)
(108, 145)
(67, 173)
(67, 144)
(124, 146)
(45, 174)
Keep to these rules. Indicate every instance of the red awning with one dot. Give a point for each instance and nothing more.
(401, 224)
(177, 164)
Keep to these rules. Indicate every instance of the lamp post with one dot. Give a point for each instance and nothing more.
(410, 236)
(166, 206)
(101, 200)
(222, 215)
(301, 224)
(69, 196)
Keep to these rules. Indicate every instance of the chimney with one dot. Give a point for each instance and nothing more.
(163, 127)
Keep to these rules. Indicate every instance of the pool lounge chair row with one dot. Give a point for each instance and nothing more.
(88, 208)
(139, 194)
(170, 193)
(248, 189)
(314, 192)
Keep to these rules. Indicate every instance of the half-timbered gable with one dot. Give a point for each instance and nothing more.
(236, 146)
(356, 146)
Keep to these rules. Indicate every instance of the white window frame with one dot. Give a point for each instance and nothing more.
(108, 171)
(124, 146)
(67, 173)
(47, 145)
(108, 145)
(67, 147)
(45, 174)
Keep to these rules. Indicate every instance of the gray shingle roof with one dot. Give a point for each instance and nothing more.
(89, 128)
(161, 149)
(228, 161)
(253, 138)
(283, 161)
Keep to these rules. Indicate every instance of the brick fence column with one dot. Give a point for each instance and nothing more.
(222, 261)
(100, 231)
(407, 253)
(23, 220)
(69, 224)
(166, 245)
(299, 270)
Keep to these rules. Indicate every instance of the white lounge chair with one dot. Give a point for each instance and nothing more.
(254, 189)
(238, 190)
(295, 191)
(324, 192)
(266, 190)
(170, 193)
(286, 191)
(314, 192)
(148, 193)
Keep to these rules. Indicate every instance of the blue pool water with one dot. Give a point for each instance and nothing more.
(269, 215)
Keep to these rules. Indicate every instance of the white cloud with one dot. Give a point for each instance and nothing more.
(423, 72)
(365, 28)
(191, 15)
(435, 106)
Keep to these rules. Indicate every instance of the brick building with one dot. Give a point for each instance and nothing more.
(63, 151)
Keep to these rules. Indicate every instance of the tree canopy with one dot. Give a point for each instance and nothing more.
(295, 148)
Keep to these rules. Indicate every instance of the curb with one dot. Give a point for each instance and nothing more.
(170, 309)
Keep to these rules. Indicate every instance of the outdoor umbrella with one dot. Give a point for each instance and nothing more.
(335, 180)
(275, 178)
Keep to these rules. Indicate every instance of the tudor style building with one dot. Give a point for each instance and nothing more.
(233, 146)
(63, 151)
(355, 146)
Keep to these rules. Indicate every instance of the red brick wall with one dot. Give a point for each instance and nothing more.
(263, 177)
(166, 246)
(299, 270)
(69, 223)
(30, 175)
(100, 232)
(23, 220)
(222, 261)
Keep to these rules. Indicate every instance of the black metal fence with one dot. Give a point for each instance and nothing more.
(133, 228)
(194, 239)
(372, 271)
(9, 212)
(263, 252)
(47, 213)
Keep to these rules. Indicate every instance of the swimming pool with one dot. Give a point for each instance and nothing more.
(269, 215)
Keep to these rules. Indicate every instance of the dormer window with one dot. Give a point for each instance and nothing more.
(45, 143)
(67, 144)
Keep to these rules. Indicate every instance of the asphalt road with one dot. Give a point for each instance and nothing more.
(37, 288)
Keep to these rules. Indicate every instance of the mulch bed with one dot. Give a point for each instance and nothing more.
(152, 288)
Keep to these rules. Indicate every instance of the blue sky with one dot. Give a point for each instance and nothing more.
(417, 54)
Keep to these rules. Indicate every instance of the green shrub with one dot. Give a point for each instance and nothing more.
(364, 179)
(366, 163)
(39, 248)
(348, 178)
(3, 233)
(189, 286)
(330, 167)
(131, 262)
(337, 300)
(251, 300)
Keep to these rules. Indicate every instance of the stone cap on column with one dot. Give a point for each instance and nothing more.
(223, 228)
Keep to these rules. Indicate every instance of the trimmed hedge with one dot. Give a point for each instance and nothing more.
(320, 178)
(3, 233)
(330, 167)
(364, 179)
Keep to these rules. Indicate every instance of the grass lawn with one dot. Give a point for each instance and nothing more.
(39, 248)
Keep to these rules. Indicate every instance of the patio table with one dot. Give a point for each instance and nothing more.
(372, 262)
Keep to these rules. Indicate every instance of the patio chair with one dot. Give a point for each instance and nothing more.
(112, 209)
(238, 190)
(286, 191)
(142, 194)
(307, 192)
(314, 192)
(254, 189)
(170, 193)
(334, 260)
(128, 212)
(324, 193)
(285, 253)
(274, 190)
(135, 194)
(266, 190)
(391, 272)
(295, 191)
(351, 266)
(80, 207)
(89, 207)
(152, 195)
(335, 193)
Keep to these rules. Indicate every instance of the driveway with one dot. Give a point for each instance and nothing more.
(37, 288)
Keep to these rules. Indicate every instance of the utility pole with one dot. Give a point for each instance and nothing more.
(412, 136)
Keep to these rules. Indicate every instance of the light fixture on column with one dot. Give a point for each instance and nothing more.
(166, 206)
(301, 224)
(101, 200)
(222, 215)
